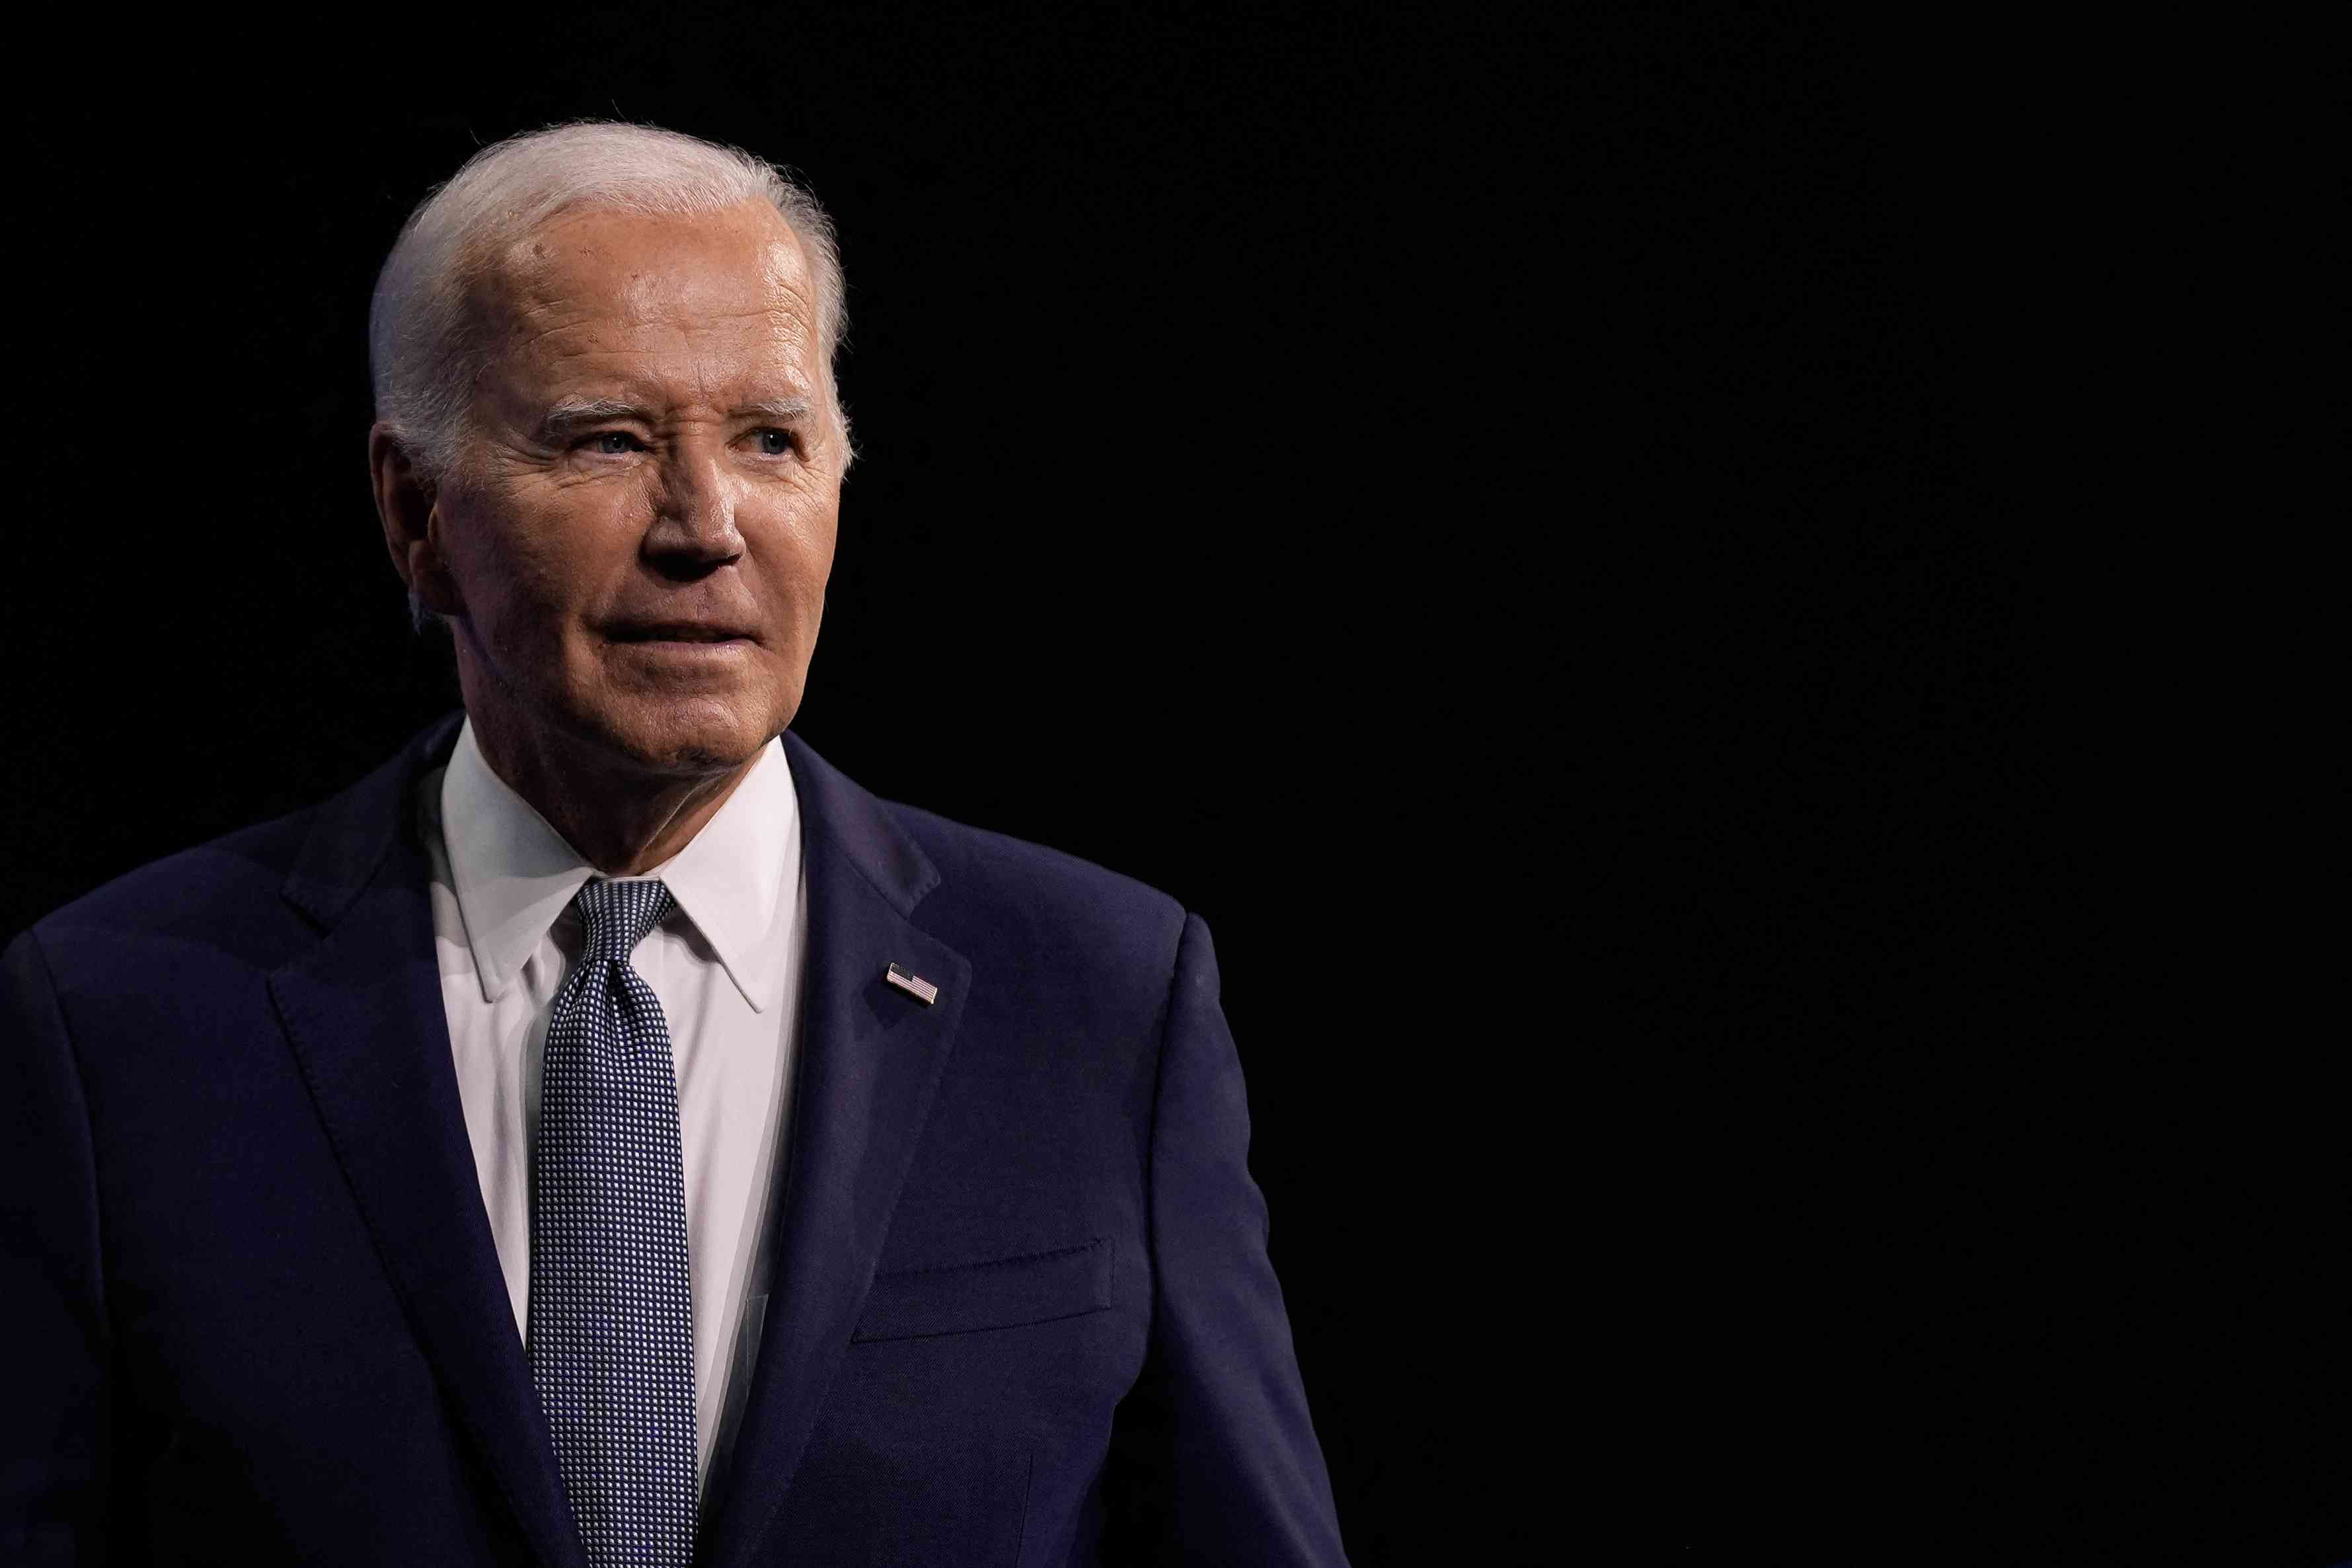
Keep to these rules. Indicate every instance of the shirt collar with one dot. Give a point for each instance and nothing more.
(515, 874)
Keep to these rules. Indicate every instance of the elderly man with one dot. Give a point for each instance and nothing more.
(607, 1135)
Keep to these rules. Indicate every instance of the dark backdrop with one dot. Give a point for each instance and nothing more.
(1531, 529)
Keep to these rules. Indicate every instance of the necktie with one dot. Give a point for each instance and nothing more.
(611, 1337)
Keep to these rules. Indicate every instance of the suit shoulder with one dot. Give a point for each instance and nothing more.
(226, 894)
(1037, 888)
(235, 894)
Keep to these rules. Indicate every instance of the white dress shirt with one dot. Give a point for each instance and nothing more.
(726, 964)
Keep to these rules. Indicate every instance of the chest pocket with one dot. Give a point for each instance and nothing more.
(1002, 1293)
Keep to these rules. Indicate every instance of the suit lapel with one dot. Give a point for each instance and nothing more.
(870, 1059)
(363, 1012)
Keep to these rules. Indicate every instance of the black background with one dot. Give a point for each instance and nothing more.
(1543, 533)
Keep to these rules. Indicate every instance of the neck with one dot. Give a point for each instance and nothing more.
(624, 822)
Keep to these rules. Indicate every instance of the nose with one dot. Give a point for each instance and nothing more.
(693, 532)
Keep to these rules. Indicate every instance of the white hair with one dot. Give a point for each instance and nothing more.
(423, 347)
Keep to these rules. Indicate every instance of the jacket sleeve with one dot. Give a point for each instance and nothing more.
(1213, 1458)
(53, 1434)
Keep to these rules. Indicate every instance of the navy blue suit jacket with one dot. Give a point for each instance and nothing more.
(1023, 1311)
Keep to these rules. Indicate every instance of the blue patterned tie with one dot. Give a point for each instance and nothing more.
(610, 1339)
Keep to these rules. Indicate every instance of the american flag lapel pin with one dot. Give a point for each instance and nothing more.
(914, 985)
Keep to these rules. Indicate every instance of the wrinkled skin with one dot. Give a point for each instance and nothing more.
(634, 589)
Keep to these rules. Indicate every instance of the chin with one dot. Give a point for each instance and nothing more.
(696, 735)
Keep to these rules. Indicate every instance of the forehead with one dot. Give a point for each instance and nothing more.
(601, 294)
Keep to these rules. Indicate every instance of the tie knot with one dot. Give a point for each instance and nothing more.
(616, 915)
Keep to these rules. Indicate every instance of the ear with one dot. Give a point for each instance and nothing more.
(406, 504)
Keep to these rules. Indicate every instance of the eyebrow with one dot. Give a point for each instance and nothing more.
(573, 415)
(782, 410)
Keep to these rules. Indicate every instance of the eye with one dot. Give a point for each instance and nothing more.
(610, 443)
(773, 443)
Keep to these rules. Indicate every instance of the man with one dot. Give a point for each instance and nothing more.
(606, 1133)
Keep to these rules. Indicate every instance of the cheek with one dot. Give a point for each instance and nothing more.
(532, 564)
(820, 530)
(817, 564)
(799, 555)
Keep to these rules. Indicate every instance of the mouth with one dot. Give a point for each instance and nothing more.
(695, 633)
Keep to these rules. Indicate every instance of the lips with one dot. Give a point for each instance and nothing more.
(679, 631)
